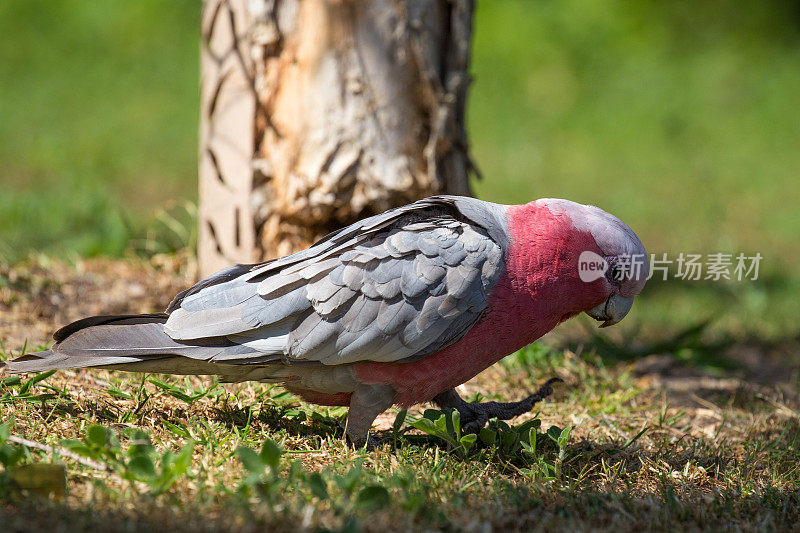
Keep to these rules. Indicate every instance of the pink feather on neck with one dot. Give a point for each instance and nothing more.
(539, 289)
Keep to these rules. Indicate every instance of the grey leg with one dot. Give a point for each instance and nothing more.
(475, 415)
(367, 402)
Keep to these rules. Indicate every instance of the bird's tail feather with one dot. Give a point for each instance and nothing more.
(126, 342)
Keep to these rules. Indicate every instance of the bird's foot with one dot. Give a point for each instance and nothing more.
(366, 403)
(365, 441)
(474, 416)
(369, 443)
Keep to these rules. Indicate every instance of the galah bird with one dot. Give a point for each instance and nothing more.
(396, 309)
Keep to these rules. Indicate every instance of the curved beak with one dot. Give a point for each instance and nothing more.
(612, 310)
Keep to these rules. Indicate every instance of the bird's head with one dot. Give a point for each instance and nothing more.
(599, 261)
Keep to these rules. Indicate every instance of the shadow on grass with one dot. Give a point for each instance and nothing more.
(695, 346)
(691, 340)
(144, 514)
(600, 497)
(291, 419)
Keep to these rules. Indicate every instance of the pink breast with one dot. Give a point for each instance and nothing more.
(539, 289)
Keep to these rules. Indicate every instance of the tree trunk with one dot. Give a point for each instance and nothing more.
(316, 113)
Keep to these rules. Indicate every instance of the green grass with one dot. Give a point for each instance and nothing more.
(99, 105)
(666, 123)
(676, 117)
(647, 431)
(143, 453)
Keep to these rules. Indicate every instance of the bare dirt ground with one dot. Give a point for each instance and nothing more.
(39, 296)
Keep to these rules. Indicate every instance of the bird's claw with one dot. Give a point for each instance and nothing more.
(545, 390)
(474, 416)
(369, 444)
(476, 425)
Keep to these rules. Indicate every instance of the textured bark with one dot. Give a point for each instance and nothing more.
(319, 112)
(227, 138)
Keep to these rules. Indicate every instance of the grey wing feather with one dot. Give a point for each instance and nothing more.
(393, 287)
(106, 341)
(411, 285)
(361, 314)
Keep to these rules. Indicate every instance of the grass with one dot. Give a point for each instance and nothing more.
(99, 104)
(639, 435)
(676, 117)
(244, 456)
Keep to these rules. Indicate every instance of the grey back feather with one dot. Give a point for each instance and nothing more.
(393, 287)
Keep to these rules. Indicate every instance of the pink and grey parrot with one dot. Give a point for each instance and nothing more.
(397, 309)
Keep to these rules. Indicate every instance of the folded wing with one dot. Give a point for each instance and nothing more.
(393, 287)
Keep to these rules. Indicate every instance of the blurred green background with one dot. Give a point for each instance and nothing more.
(680, 117)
